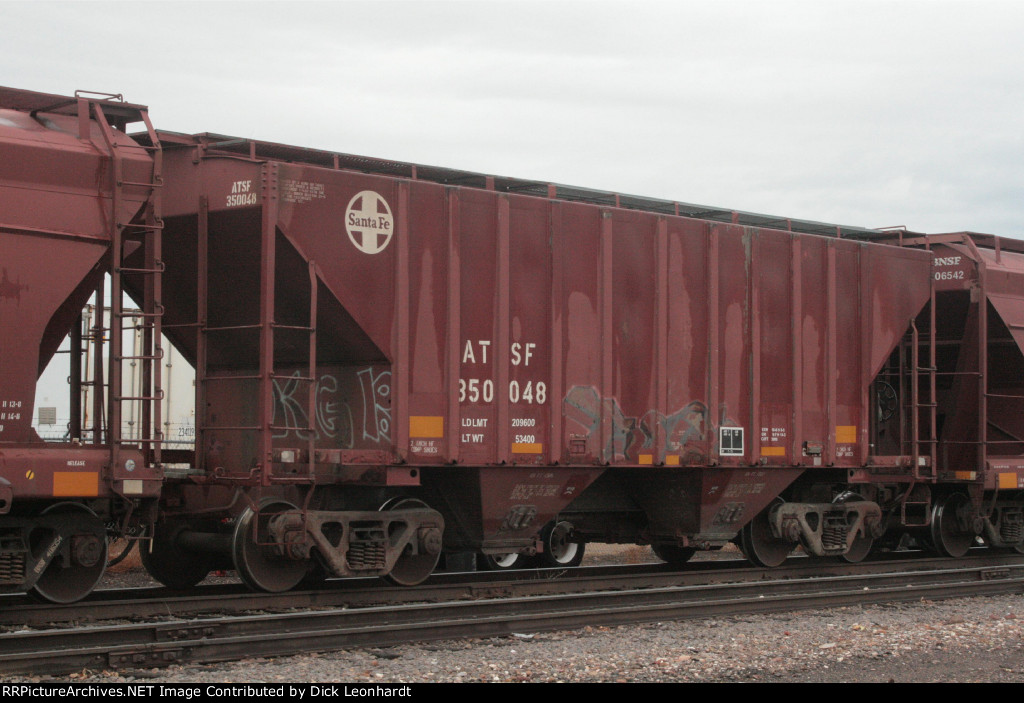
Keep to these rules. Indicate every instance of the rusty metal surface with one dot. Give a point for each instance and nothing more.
(255, 149)
(77, 195)
(977, 317)
(498, 335)
(472, 327)
(59, 206)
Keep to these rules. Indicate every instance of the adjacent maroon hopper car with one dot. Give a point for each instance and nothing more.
(74, 191)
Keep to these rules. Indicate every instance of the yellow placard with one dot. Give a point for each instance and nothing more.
(846, 434)
(527, 448)
(77, 484)
(773, 451)
(426, 426)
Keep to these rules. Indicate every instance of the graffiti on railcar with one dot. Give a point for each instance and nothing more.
(376, 390)
(336, 394)
(629, 435)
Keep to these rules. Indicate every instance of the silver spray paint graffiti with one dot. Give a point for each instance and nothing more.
(339, 397)
(376, 415)
(629, 436)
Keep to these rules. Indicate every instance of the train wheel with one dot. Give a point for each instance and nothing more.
(558, 550)
(759, 545)
(863, 543)
(79, 565)
(256, 559)
(170, 564)
(503, 562)
(859, 550)
(673, 554)
(410, 569)
(947, 535)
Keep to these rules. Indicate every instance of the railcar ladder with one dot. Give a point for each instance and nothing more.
(91, 333)
(915, 503)
(267, 376)
(924, 448)
(150, 436)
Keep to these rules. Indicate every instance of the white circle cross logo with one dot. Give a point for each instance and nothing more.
(369, 222)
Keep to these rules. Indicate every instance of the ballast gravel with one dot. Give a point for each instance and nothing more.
(962, 640)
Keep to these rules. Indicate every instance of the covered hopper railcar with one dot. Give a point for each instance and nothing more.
(76, 196)
(394, 361)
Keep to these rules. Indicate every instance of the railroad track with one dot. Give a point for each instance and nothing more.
(468, 614)
(136, 603)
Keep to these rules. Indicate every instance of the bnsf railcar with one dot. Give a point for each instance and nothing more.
(394, 361)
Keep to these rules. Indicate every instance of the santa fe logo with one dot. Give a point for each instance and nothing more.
(369, 222)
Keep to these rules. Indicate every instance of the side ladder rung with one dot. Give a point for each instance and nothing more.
(160, 269)
(224, 428)
(230, 328)
(231, 378)
(123, 398)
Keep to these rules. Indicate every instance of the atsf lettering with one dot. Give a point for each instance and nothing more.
(241, 194)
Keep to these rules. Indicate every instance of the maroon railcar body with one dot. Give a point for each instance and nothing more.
(72, 185)
(502, 354)
(976, 373)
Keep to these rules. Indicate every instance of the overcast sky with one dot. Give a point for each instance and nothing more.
(860, 113)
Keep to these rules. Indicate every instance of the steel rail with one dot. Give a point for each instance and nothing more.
(220, 639)
(137, 603)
